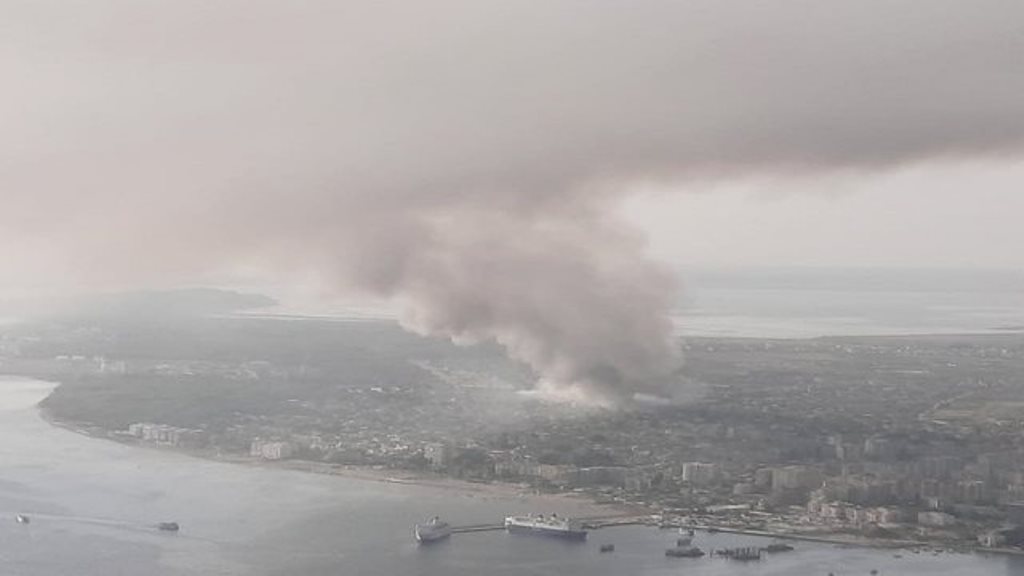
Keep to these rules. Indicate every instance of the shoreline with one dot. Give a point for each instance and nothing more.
(601, 514)
(594, 510)
(492, 489)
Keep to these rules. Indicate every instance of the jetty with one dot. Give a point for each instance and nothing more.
(587, 522)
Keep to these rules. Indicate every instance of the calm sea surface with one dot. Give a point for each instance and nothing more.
(782, 303)
(93, 505)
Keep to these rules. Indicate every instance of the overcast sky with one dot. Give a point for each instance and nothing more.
(888, 131)
(170, 141)
(525, 172)
(925, 215)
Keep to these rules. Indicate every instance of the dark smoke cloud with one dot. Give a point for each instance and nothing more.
(464, 156)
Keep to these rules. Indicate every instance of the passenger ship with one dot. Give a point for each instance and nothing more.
(546, 526)
(432, 531)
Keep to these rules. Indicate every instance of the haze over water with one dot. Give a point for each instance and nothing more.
(803, 303)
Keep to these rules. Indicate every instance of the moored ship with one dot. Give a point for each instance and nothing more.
(778, 547)
(432, 531)
(745, 554)
(684, 552)
(540, 525)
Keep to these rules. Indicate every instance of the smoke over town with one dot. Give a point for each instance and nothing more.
(464, 158)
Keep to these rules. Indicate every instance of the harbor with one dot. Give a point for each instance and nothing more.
(599, 522)
(577, 529)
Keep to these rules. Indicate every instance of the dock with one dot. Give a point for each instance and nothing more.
(588, 522)
(477, 528)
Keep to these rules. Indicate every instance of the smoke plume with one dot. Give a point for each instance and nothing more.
(462, 156)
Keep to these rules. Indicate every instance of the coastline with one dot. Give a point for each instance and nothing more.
(596, 514)
(590, 508)
(485, 490)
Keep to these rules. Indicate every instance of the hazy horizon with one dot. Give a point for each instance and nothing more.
(501, 172)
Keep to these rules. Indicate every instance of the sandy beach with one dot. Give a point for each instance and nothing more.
(480, 490)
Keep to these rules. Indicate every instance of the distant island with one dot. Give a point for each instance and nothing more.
(164, 303)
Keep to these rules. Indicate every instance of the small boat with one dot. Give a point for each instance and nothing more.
(22, 519)
(744, 554)
(168, 526)
(607, 548)
(432, 531)
(778, 547)
(684, 552)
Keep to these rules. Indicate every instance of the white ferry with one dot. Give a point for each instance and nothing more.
(546, 526)
(432, 531)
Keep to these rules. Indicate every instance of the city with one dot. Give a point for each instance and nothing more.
(860, 439)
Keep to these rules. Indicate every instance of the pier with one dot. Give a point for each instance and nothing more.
(588, 522)
(477, 528)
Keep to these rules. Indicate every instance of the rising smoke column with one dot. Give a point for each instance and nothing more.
(571, 296)
(462, 157)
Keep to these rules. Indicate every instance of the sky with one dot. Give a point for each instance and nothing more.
(523, 172)
(867, 126)
(962, 215)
